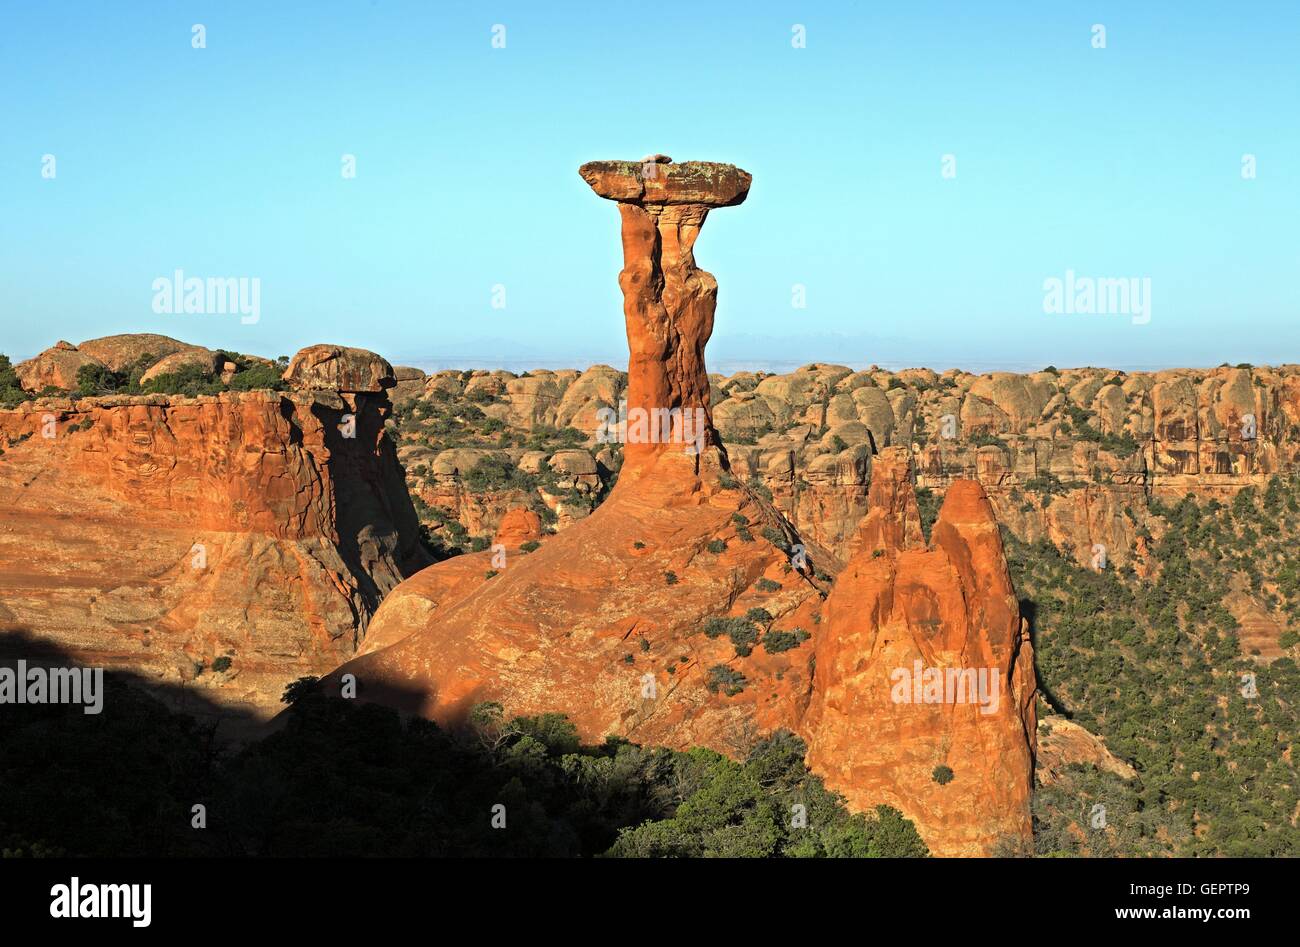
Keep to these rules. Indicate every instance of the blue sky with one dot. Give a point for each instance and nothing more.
(225, 161)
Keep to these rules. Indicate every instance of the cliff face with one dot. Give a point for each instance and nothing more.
(614, 620)
(923, 662)
(175, 536)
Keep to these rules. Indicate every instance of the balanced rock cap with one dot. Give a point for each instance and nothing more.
(657, 180)
(338, 368)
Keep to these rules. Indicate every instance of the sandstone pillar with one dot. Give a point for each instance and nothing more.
(668, 302)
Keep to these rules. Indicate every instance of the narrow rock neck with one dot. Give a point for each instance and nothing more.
(668, 303)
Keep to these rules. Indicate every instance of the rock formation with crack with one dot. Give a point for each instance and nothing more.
(923, 661)
(609, 620)
(226, 542)
(668, 302)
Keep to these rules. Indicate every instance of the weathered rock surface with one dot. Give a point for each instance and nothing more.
(1063, 743)
(901, 614)
(208, 361)
(518, 526)
(56, 367)
(658, 181)
(606, 621)
(162, 533)
(338, 368)
(119, 351)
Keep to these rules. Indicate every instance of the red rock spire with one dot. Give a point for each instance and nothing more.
(668, 301)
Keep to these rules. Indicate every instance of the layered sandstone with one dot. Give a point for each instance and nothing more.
(231, 542)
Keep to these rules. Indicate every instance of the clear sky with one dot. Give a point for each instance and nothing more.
(1116, 162)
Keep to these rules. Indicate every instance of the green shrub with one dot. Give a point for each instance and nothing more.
(742, 633)
(496, 473)
(776, 538)
(725, 679)
(774, 642)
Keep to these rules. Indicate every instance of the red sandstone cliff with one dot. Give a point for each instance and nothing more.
(164, 534)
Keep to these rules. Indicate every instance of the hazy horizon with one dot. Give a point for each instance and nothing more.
(398, 180)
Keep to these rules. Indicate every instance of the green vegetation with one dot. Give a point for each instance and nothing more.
(1154, 667)
(767, 585)
(497, 473)
(346, 779)
(742, 633)
(11, 393)
(188, 380)
(942, 775)
(776, 538)
(989, 440)
(728, 680)
(928, 504)
(774, 641)
(1051, 485)
(766, 807)
(1079, 426)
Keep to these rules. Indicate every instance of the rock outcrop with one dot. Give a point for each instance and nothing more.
(518, 526)
(924, 663)
(56, 367)
(668, 302)
(205, 360)
(232, 542)
(338, 368)
(1062, 743)
(615, 621)
(118, 352)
